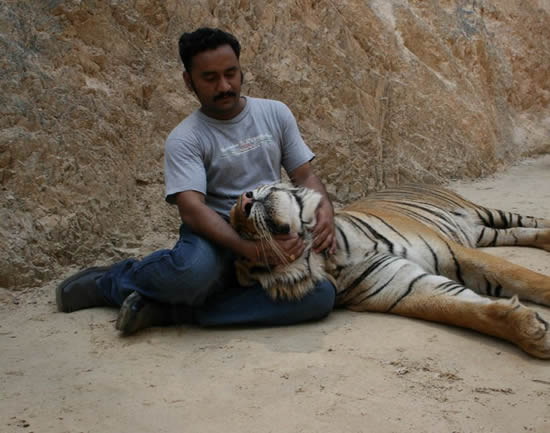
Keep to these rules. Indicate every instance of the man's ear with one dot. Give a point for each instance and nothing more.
(188, 81)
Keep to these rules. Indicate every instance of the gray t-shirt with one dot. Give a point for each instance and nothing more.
(224, 158)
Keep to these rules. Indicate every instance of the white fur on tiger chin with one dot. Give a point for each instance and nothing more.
(294, 280)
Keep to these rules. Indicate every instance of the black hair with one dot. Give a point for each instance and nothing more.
(203, 39)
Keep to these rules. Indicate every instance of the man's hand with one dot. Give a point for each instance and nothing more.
(324, 237)
(285, 249)
(323, 232)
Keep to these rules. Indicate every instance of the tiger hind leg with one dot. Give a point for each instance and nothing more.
(498, 228)
(499, 219)
(514, 236)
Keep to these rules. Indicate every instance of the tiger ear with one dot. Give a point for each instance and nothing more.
(310, 202)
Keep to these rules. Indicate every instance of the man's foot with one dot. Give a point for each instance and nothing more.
(138, 312)
(80, 291)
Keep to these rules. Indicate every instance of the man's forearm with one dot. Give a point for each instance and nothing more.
(207, 223)
(310, 180)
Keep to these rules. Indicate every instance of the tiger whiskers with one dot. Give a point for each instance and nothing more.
(266, 238)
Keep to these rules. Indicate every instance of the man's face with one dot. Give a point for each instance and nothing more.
(216, 79)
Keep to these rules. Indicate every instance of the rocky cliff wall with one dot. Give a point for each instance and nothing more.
(384, 91)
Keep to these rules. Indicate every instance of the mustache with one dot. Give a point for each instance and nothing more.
(224, 94)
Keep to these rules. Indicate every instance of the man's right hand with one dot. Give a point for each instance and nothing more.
(283, 250)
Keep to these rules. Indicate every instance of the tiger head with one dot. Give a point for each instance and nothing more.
(279, 209)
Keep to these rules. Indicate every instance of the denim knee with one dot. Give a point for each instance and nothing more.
(187, 274)
(184, 277)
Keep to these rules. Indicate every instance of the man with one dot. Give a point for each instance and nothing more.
(232, 144)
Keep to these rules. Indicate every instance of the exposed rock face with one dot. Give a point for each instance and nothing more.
(384, 92)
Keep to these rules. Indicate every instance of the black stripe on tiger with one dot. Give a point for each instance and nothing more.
(391, 228)
(450, 224)
(481, 234)
(494, 240)
(441, 221)
(458, 270)
(448, 286)
(460, 291)
(432, 252)
(481, 217)
(423, 219)
(505, 222)
(487, 286)
(356, 226)
(300, 205)
(344, 238)
(408, 291)
(385, 260)
(501, 220)
(444, 196)
(370, 295)
(490, 216)
(373, 232)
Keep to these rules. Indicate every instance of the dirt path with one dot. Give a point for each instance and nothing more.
(349, 373)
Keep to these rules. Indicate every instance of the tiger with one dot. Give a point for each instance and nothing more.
(409, 250)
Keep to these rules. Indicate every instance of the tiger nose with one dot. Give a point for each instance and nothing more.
(246, 199)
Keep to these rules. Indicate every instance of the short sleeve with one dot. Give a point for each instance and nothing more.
(183, 167)
(295, 150)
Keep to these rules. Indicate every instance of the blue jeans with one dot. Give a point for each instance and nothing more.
(199, 274)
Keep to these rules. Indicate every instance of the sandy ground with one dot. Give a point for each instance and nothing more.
(352, 372)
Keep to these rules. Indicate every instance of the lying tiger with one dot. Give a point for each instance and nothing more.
(409, 251)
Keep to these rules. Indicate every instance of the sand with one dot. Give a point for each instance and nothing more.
(353, 372)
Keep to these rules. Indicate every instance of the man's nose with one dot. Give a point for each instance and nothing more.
(223, 85)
